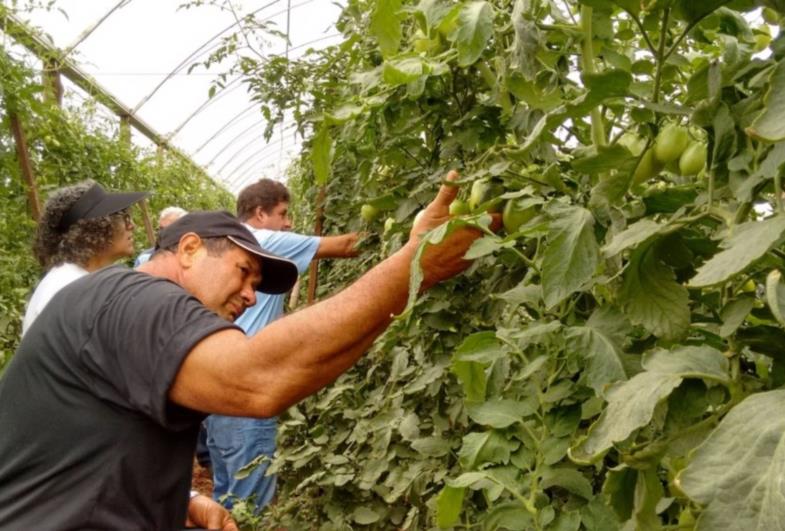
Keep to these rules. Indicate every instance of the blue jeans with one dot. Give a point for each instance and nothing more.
(233, 443)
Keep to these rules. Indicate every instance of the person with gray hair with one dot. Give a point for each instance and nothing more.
(83, 228)
(167, 216)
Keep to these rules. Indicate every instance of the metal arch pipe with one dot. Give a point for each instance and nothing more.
(238, 151)
(225, 126)
(194, 54)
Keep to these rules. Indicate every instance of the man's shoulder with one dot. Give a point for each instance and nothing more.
(114, 279)
(282, 238)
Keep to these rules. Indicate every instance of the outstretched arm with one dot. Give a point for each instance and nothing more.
(343, 246)
(296, 356)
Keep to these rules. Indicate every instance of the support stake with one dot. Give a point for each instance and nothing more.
(313, 275)
(24, 164)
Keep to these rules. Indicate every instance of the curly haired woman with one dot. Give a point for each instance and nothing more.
(83, 228)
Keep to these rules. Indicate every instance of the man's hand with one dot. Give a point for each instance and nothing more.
(206, 513)
(445, 260)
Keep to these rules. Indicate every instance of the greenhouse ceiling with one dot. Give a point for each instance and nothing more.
(149, 55)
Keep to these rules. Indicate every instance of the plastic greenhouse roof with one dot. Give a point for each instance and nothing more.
(139, 44)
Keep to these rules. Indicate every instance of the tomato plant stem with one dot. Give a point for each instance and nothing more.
(587, 49)
(661, 56)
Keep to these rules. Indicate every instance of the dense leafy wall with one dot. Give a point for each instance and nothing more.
(615, 360)
(67, 146)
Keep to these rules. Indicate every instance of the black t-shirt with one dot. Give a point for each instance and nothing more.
(88, 438)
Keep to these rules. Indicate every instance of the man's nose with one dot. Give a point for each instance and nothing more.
(249, 294)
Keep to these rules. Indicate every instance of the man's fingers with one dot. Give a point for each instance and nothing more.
(447, 192)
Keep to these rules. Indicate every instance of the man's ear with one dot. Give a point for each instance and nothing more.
(188, 248)
(260, 214)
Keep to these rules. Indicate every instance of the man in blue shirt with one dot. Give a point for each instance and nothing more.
(167, 216)
(234, 442)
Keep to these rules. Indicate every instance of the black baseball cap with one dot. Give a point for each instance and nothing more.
(97, 202)
(278, 274)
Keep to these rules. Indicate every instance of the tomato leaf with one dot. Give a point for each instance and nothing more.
(474, 31)
(603, 357)
(571, 256)
(485, 447)
(634, 235)
(403, 71)
(449, 503)
(501, 413)
(652, 298)
(775, 295)
(386, 26)
(631, 404)
(606, 159)
(769, 126)
(747, 243)
(737, 472)
(321, 155)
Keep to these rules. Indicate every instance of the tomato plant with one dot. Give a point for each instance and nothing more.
(601, 367)
(67, 146)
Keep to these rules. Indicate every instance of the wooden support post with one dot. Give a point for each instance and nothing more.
(148, 224)
(53, 84)
(25, 165)
(125, 130)
(159, 155)
(313, 274)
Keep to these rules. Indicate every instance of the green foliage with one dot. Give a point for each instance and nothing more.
(65, 147)
(563, 380)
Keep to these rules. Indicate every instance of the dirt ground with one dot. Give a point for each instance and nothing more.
(202, 480)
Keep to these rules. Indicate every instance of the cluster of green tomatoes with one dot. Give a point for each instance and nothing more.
(673, 149)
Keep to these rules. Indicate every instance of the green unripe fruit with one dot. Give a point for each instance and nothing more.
(514, 216)
(693, 159)
(762, 41)
(647, 168)
(483, 190)
(770, 16)
(368, 213)
(671, 143)
(458, 208)
(389, 223)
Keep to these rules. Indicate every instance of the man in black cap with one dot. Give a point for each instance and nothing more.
(100, 406)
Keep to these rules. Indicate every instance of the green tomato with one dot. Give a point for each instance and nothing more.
(762, 41)
(458, 208)
(483, 190)
(671, 143)
(389, 223)
(749, 286)
(514, 216)
(368, 213)
(693, 159)
(771, 16)
(647, 168)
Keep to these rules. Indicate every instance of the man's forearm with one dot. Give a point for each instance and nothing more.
(343, 246)
(311, 348)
